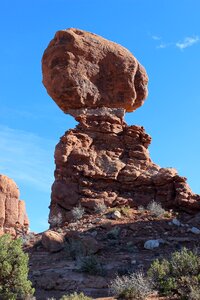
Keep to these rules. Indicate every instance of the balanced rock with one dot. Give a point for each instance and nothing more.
(103, 160)
(84, 70)
(13, 217)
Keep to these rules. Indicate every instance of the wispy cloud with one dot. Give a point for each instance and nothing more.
(162, 46)
(27, 158)
(156, 38)
(187, 42)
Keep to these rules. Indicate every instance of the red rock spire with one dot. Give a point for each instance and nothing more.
(103, 160)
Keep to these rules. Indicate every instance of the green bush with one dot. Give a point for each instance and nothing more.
(180, 275)
(75, 296)
(126, 211)
(91, 265)
(13, 270)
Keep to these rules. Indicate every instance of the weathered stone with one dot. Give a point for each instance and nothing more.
(52, 241)
(195, 230)
(84, 70)
(116, 215)
(151, 244)
(12, 210)
(103, 160)
(176, 222)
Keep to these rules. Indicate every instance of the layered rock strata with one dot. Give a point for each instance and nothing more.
(103, 160)
(13, 217)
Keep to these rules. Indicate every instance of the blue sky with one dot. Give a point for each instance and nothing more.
(164, 35)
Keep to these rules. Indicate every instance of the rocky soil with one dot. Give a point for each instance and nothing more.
(115, 241)
(104, 163)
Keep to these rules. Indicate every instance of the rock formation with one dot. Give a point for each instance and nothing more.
(13, 218)
(103, 160)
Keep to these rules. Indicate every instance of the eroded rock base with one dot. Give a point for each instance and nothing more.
(105, 161)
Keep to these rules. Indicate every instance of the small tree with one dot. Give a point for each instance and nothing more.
(14, 283)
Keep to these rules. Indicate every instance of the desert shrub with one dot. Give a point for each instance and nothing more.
(180, 275)
(113, 233)
(75, 296)
(125, 210)
(194, 293)
(100, 208)
(134, 286)
(75, 248)
(55, 220)
(155, 209)
(91, 265)
(141, 208)
(27, 238)
(14, 283)
(78, 212)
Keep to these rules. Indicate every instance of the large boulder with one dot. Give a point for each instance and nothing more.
(52, 241)
(84, 70)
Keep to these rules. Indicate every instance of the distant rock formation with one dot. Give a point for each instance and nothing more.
(103, 160)
(13, 217)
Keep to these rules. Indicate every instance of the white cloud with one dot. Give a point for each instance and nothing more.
(162, 46)
(27, 158)
(187, 42)
(156, 38)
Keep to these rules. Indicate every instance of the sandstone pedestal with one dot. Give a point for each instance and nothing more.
(103, 160)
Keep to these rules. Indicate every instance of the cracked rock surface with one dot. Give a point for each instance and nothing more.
(105, 161)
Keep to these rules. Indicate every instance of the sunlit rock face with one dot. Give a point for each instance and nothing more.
(13, 217)
(84, 70)
(103, 160)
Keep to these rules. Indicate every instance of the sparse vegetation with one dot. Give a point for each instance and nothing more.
(180, 275)
(75, 248)
(75, 296)
(91, 265)
(14, 283)
(78, 212)
(126, 211)
(55, 220)
(134, 286)
(100, 208)
(113, 233)
(155, 209)
(141, 208)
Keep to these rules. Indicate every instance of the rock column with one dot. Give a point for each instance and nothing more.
(103, 160)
